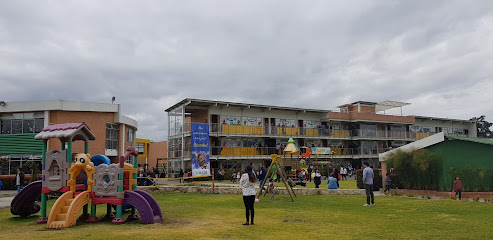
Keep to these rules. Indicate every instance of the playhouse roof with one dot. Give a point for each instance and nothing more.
(66, 131)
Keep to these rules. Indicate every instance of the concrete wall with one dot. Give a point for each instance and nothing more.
(427, 122)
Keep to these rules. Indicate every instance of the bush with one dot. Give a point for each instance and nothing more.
(8, 182)
(377, 179)
(417, 169)
(474, 179)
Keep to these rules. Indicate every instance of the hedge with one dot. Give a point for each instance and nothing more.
(377, 179)
(473, 179)
(8, 182)
(417, 169)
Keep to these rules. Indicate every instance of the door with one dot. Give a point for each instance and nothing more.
(215, 122)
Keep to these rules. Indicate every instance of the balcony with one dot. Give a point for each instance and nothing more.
(277, 131)
(384, 134)
(319, 133)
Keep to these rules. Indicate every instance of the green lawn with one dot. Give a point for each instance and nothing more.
(214, 216)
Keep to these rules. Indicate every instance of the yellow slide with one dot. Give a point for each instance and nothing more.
(65, 211)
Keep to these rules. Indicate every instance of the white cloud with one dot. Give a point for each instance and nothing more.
(315, 54)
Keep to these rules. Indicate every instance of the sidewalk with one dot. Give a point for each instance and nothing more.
(6, 197)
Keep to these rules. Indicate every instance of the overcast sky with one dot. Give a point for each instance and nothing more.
(437, 55)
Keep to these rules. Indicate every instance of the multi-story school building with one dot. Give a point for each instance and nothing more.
(21, 121)
(242, 133)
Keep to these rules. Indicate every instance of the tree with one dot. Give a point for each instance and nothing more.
(483, 127)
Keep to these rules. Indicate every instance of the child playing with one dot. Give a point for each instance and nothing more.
(458, 187)
(271, 187)
(238, 176)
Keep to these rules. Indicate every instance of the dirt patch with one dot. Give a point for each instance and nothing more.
(294, 220)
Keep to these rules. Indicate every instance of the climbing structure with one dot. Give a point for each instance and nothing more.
(113, 184)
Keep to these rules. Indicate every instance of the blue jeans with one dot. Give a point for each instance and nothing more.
(458, 192)
(19, 188)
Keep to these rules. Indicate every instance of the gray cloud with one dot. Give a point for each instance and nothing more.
(316, 54)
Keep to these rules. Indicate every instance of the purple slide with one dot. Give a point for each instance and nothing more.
(23, 203)
(158, 216)
(141, 204)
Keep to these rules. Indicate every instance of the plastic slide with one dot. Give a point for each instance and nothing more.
(156, 209)
(100, 159)
(23, 203)
(66, 209)
(141, 204)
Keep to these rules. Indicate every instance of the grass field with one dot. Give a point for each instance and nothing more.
(213, 216)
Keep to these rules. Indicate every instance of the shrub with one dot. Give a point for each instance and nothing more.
(476, 198)
(417, 169)
(8, 182)
(474, 179)
(377, 179)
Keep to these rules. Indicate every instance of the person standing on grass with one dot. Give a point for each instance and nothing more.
(458, 187)
(310, 170)
(19, 180)
(248, 189)
(316, 178)
(387, 183)
(271, 188)
(261, 174)
(337, 175)
(368, 181)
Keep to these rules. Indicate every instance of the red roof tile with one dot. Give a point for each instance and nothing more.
(62, 127)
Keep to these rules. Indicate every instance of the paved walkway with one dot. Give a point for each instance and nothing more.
(6, 197)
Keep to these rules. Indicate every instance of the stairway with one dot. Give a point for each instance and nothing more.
(66, 210)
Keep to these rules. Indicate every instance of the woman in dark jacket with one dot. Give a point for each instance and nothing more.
(316, 178)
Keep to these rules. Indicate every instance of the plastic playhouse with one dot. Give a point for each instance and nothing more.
(106, 183)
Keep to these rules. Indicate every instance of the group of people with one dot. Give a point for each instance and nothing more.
(152, 173)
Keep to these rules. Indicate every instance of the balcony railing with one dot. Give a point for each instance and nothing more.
(278, 131)
(241, 130)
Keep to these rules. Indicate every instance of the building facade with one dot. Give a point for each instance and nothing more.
(21, 121)
(243, 133)
(152, 154)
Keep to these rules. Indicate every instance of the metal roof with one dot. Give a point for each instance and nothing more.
(379, 106)
(488, 141)
(387, 105)
(208, 103)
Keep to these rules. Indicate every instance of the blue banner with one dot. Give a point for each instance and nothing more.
(200, 149)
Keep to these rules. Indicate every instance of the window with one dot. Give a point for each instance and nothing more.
(130, 135)
(21, 123)
(286, 122)
(139, 147)
(130, 160)
(368, 130)
(311, 124)
(111, 136)
(231, 120)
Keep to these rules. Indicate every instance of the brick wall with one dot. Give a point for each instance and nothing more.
(96, 121)
(157, 150)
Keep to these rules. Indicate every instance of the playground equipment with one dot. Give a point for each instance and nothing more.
(113, 184)
(275, 168)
